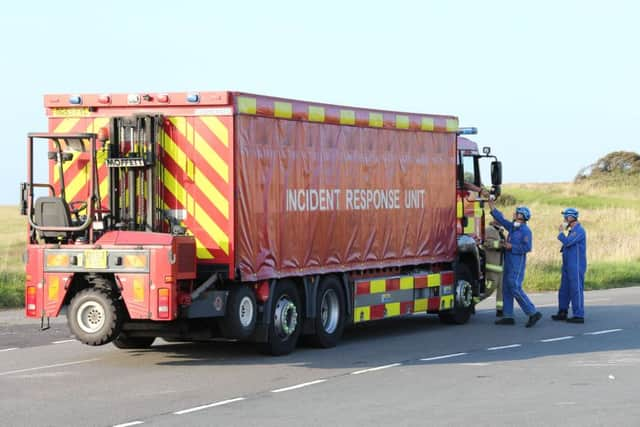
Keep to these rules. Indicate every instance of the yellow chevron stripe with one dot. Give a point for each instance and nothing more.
(376, 120)
(364, 312)
(427, 123)
(218, 200)
(200, 179)
(218, 128)
(84, 174)
(64, 126)
(433, 280)
(406, 282)
(420, 305)
(201, 251)
(402, 122)
(377, 286)
(219, 165)
(393, 309)
(196, 211)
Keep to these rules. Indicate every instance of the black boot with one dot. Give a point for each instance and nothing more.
(562, 315)
(499, 312)
(533, 319)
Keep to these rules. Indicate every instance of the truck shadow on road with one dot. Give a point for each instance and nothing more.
(407, 340)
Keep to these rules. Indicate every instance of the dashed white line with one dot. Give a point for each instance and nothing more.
(606, 331)
(568, 337)
(132, 423)
(8, 349)
(445, 356)
(61, 341)
(503, 347)
(297, 386)
(210, 405)
(378, 368)
(57, 365)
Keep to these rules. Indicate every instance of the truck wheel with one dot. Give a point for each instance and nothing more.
(462, 300)
(124, 341)
(285, 319)
(242, 312)
(329, 319)
(94, 316)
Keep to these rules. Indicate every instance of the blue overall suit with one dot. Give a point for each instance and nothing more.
(574, 266)
(515, 261)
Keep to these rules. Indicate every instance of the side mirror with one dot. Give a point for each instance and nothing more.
(496, 173)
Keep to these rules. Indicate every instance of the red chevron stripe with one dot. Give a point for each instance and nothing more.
(198, 195)
(181, 141)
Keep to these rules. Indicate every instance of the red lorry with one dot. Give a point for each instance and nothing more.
(222, 214)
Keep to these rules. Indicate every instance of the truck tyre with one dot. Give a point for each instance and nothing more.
(94, 316)
(285, 322)
(242, 312)
(462, 300)
(124, 342)
(330, 314)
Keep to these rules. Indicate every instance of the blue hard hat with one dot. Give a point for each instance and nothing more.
(526, 213)
(570, 212)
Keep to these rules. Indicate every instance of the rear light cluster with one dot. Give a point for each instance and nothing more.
(31, 301)
(164, 296)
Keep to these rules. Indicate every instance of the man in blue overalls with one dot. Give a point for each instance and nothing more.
(517, 245)
(574, 266)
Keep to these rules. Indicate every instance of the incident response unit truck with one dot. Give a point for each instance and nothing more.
(204, 215)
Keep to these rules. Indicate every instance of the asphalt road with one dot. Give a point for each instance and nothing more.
(412, 371)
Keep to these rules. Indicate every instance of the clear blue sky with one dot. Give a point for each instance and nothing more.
(551, 85)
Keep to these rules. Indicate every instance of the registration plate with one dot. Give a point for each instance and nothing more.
(70, 112)
(95, 259)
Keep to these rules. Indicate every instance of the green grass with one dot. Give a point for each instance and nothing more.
(12, 246)
(609, 211)
(11, 289)
(600, 275)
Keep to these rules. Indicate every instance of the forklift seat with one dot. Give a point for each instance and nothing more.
(52, 212)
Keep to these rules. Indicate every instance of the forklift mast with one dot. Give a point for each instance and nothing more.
(133, 185)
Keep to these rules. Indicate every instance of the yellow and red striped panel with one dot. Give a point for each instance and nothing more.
(394, 296)
(474, 212)
(196, 171)
(197, 176)
(333, 114)
(76, 172)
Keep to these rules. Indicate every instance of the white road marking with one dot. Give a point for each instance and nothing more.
(210, 405)
(57, 365)
(446, 356)
(61, 341)
(565, 403)
(132, 423)
(568, 337)
(502, 347)
(378, 368)
(294, 387)
(8, 349)
(606, 331)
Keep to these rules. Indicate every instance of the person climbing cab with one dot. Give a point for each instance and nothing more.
(518, 243)
(574, 267)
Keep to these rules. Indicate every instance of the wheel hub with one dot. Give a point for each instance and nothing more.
(329, 314)
(90, 317)
(285, 317)
(246, 311)
(464, 294)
